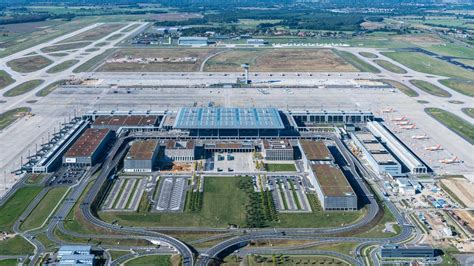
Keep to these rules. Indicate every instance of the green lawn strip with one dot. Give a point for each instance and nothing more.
(295, 195)
(377, 230)
(453, 50)
(62, 66)
(346, 248)
(48, 243)
(282, 259)
(463, 86)
(150, 260)
(9, 117)
(430, 88)
(368, 55)
(50, 88)
(276, 167)
(8, 262)
(118, 253)
(135, 186)
(93, 62)
(114, 37)
(356, 62)
(390, 67)
(29, 64)
(468, 111)
(16, 205)
(402, 87)
(5, 79)
(34, 179)
(44, 208)
(283, 198)
(455, 123)
(63, 47)
(16, 246)
(23, 88)
(427, 64)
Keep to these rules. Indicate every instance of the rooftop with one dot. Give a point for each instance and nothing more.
(87, 143)
(277, 144)
(315, 150)
(228, 118)
(176, 145)
(142, 150)
(366, 137)
(332, 181)
(120, 120)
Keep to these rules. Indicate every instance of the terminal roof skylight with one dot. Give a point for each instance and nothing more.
(228, 118)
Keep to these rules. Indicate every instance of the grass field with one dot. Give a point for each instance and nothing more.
(223, 204)
(95, 33)
(5, 79)
(469, 111)
(50, 88)
(93, 62)
(29, 64)
(43, 209)
(356, 62)
(9, 117)
(64, 47)
(269, 260)
(23, 88)
(13, 208)
(455, 123)
(283, 60)
(368, 55)
(463, 86)
(283, 167)
(426, 64)
(150, 260)
(402, 87)
(468, 62)
(430, 88)
(390, 67)
(114, 37)
(200, 54)
(62, 66)
(450, 49)
(16, 246)
(8, 262)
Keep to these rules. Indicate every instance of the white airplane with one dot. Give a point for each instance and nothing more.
(403, 118)
(434, 148)
(450, 161)
(387, 110)
(420, 137)
(413, 126)
(402, 123)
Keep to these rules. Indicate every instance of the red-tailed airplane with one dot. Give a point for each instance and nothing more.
(387, 110)
(434, 148)
(403, 118)
(413, 126)
(450, 161)
(420, 137)
(402, 123)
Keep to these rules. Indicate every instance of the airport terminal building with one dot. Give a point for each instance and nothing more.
(142, 156)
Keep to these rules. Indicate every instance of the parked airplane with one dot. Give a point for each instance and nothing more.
(434, 148)
(420, 137)
(413, 126)
(402, 123)
(450, 161)
(403, 118)
(387, 110)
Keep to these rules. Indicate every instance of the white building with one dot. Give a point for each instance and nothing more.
(179, 151)
(277, 150)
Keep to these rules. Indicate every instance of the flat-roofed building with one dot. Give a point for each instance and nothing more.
(314, 151)
(142, 156)
(229, 146)
(381, 160)
(75, 255)
(277, 150)
(179, 151)
(333, 189)
(114, 122)
(88, 147)
(193, 41)
(407, 251)
(406, 156)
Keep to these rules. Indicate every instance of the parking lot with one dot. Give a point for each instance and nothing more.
(67, 175)
(170, 196)
(289, 192)
(125, 194)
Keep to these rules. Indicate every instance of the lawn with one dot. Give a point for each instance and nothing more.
(426, 64)
(16, 246)
(390, 67)
(62, 66)
(356, 62)
(150, 260)
(408, 91)
(15, 206)
(64, 47)
(43, 209)
(223, 204)
(455, 123)
(23, 88)
(377, 231)
(95, 33)
(281, 259)
(8, 262)
(277, 167)
(50, 88)
(430, 88)
(7, 118)
(91, 63)
(463, 86)
(5, 79)
(368, 55)
(450, 49)
(29, 64)
(469, 111)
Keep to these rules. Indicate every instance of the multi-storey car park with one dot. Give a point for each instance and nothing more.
(87, 149)
(142, 156)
